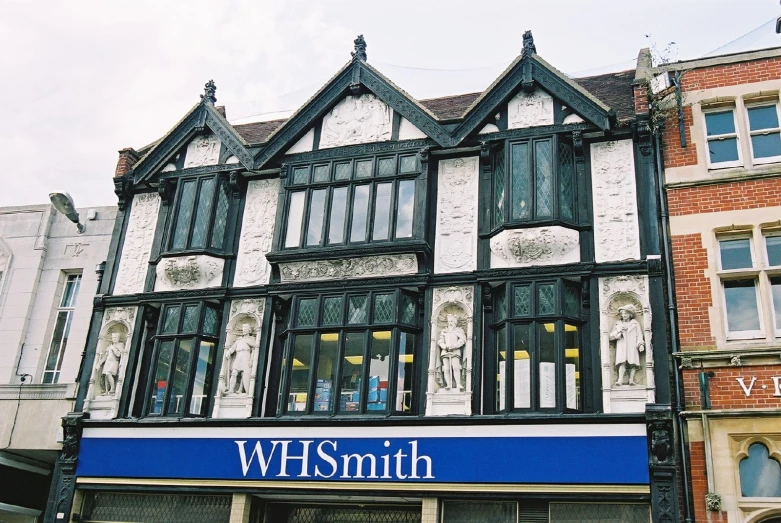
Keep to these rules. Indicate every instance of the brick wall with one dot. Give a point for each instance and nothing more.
(641, 99)
(127, 159)
(692, 291)
(753, 194)
(699, 483)
(727, 393)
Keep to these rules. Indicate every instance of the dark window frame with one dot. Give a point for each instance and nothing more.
(221, 190)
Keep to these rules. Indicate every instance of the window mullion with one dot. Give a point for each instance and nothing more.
(315, 361)
(534, 365)
(169, 378)
(393, 213)
(371, 212)
(367, 343)
(336, 388)
(194, 214)
(509, 368)
(213, 211)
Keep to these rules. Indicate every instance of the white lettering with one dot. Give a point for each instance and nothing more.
(304, 457)
(399, 457)
(415, 459)
(747, 390)
(245, 465)
(327, 458)
(359, 465)
(386, 462)
(777, 383)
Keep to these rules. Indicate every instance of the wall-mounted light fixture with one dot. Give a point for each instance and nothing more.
(63, 202)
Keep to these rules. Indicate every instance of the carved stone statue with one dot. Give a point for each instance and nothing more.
(238, 357)
(452, 340)
(108, 364)
(628, 336)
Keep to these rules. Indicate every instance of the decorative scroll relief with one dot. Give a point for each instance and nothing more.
(530, 110)
(202, 150)
(189, 272)
(257, 232)
(357, 119)
(539, 246)
(456, 241)
(626, 345)
(368, 267)
(134, 263)
(616, 231)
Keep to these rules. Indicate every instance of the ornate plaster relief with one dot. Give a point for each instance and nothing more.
(367, 267)
(357, 119)
(134, 263)
(539, 246)
(305, 144)
(530, 110)
(616, 231)
(257, 233)
(409, 131)
(202, 150)
(455, 245)
(189, 272)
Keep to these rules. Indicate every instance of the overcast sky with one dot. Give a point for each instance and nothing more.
(83, 79)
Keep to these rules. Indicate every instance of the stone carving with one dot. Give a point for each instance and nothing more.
(370, 266)
(539, 246)
(735, 361)
(626, 343)
(257, 232)
(616, 232)
(713, 502)
(357, 119)
(238, 358)
(108, 364)
(134, 263)
(456, 240)
(209, 92)
(189, 272)
(530, 110)
(451, 344)
(202, 150)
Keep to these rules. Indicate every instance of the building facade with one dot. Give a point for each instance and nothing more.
(47, 281)
(722, 159)
(384, 309)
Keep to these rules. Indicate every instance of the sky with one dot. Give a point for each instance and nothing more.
(83, 79)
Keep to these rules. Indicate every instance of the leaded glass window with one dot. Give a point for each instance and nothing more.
(200, 216)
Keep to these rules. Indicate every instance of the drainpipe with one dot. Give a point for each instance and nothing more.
(673, 321)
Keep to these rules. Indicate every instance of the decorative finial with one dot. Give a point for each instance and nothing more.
(360, 49)
(528, 43)
(209, 91)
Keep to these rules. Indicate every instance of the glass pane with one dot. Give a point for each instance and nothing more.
(405, 207)
(408, 309)
(385, 167)
(295, 218)
(741, 298)
(210, 320)
(332, 311)
(546, 298)
(725, 150)
(547, 383)
(360, 213)
(220, 216)
(572, 366)
(352, 372)
(184, 214)
(773, 246)
(600, 513)
(338, 211)
(499, 188)
(501, 368)
(522, 303)
(321, 173)
(202, 383)
(58, 344)
(775, 284)
(566, 182)
(720, 123)
(190, 323)
(306, 312)
(384, 308)
(363, 169)
(408, 164)
(298, 390)
(501, 303)
(571, 300)
(405, 375)
(316, 217)
(766, 145)
(382, 200)
(160, 384)
(763, 118)
(760, 475)
(71, 290)
(357, 309)
(543, 179)
(202, 214)
(379, 366)
(171, 323)
(327, 361)
(735, 254)
(483, 511)
(176, 399)
(301, 174)
(521, 367)
(342, 171)
(521, 190)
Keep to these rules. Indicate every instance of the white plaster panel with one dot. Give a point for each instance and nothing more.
(573, 118)
(489, 128)
(408, 131)
(366, 267)
(538, 246)
(306, 143)
(357, 119)
(257, 232)
(189, 272)
(616, 230)
(140, 233)
(530, 110)
(455, 245)
(202, 150)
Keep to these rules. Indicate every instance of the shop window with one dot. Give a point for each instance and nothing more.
(365, 513)
(722, 138)
(760, 474)
(351, 201)
(63, 317)
(171, 508)
(537, 347)
(483, 511)
(183, 359)
(200, 215)
(599, 513)
(351, 353)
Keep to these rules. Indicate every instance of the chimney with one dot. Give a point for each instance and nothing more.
(127, 159)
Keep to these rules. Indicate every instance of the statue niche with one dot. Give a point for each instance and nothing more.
(451, 343)
(627, 338)
(239, 356)
(108, 359)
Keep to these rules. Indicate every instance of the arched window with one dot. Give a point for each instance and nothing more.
(760, 475)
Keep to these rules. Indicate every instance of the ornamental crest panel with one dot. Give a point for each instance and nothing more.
(530, 110)
(456, 240)
(201, 151)
(189, 272)
(367, 267)
(134, 263)
(357, 119)
(539, 246)
(257, 232)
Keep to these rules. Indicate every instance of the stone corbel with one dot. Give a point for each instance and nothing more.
(281, 308)
(424, 155)
(488, 298)
(527, 82)
(122, 190)
(284, 170)
(642, 128)
(165, 188)
(661, 462)
(236, 183)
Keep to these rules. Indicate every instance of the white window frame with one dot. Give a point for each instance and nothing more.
(71, 311)
(736, 135)
(754, 159)
(748, 273)
(771, 271)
